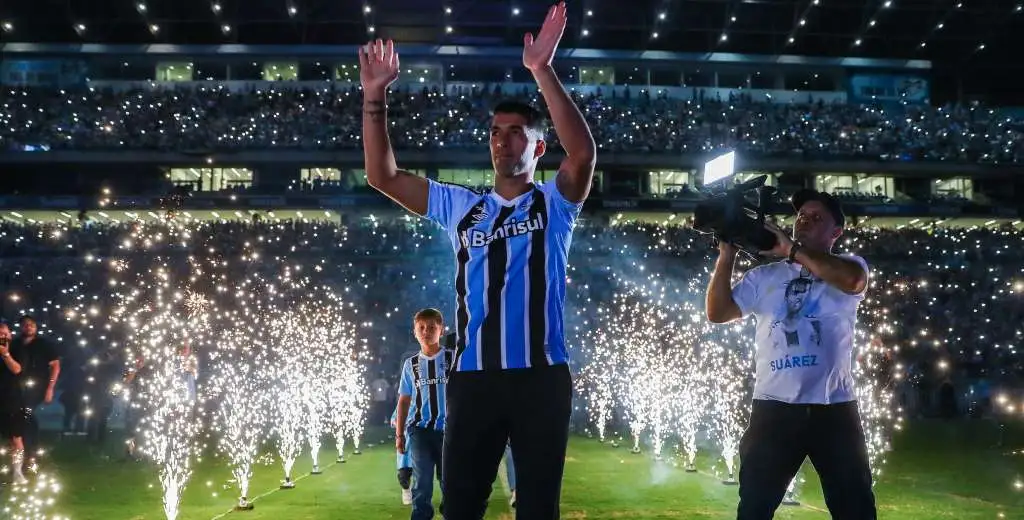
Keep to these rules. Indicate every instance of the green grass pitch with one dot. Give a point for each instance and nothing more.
(938, 470)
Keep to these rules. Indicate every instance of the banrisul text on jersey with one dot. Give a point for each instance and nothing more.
(478, 238)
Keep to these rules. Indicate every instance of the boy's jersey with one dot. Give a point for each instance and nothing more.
(425, 380)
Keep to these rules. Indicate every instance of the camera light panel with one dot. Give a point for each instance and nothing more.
(719, 168)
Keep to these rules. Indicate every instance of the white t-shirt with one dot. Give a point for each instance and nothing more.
(805, 333)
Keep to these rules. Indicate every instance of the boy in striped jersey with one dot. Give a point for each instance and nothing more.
(421, 410)
(511, 381)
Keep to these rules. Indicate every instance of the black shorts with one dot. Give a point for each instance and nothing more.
(12, 422)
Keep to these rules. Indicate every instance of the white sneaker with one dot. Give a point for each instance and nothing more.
(406, 497)
(19, 479)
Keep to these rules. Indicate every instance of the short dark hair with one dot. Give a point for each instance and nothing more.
(429, 314)
(831, 203)
(27, 317)
(534, 118)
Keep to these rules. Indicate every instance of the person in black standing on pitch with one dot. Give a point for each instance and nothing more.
(40, 369)
(12, 411)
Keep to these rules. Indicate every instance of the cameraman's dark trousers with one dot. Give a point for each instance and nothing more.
(529, 408)
(778, 439)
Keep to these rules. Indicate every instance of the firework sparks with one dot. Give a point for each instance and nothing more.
(241, 384)
(288, 425)
(348, 398)
(161, 331)
(729, 412)
(34, 500)
(327, 337)
(597, 377)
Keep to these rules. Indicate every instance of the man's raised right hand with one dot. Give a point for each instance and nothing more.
(378, 66)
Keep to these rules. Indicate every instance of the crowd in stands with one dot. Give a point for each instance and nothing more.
(213, 118)
(946, 293)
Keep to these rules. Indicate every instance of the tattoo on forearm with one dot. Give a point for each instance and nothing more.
(374, 109)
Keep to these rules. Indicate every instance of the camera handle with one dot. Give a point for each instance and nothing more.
(764, 198)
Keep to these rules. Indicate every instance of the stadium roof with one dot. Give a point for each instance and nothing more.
(944, 31)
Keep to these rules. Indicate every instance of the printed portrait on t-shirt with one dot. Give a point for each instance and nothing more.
(793, 326)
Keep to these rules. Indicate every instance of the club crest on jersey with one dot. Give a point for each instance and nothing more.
(525, 204)
(479, 238)
(479, 215)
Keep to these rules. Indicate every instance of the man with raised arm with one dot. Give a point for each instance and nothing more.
(510, 380)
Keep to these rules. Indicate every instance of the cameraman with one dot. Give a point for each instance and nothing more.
(804, 405)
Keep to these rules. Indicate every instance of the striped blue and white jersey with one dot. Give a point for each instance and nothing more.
(511, 258)
(425, 380)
